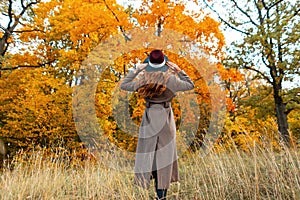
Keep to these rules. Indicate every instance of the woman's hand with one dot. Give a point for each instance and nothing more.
(173, 66)
(141, 67)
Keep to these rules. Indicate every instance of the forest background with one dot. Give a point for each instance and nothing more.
(68, 132)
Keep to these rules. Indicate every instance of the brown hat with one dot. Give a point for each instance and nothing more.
(157, 59)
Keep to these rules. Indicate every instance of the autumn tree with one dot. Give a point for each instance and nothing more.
(197, 29)
(269, 45)
(54, 39)
(36, 112)
(69, 35)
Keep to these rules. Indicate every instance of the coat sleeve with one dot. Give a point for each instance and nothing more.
(128, 83)
(182, 83)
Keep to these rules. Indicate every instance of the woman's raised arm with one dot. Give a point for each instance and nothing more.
(128, 83)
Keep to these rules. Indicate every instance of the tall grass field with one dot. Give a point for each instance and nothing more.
(258, 174)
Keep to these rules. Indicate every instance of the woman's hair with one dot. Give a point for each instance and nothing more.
(153, 84)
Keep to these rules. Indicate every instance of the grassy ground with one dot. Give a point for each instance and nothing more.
(260, 174)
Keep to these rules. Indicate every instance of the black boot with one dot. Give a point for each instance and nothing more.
(161, 194)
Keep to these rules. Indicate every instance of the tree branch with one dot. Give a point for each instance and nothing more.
(260, 73)
(261, 18)
(22, 4)
(17, 18)
(264, 4)
(224, 21)
(10, 15)
(22, 66)
(116, 17)
(296, 13)
(5, 29)
(263, 58)
(28, 31)
(289, 110)
(269, 8)
(14, 21)
(245, 13)
(28, 6)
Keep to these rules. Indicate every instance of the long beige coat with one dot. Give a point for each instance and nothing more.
(156, 149)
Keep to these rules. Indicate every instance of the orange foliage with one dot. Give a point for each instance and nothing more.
(36, 112)
(68, 32)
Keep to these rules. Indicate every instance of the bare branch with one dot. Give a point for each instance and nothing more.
(21, 23)
(28, 6)
(22, 4)
(270, 7)
(10, 14)
(10, 27)
(245, 13)
(17, 67)
(259, 72)
(224, 21)
(264, 59)
(23, 66)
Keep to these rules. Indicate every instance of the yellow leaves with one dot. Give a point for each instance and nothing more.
(245, 132)
(138, 111)
(230, 105)
(160, 7)
(173, 16)
(71, 55)
(108, 127)
(35, 105)
(99, 21)
(26, 59)
(67, 31)
(294, 119)
(230, 75)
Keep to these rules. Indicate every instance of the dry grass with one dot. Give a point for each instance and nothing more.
(259, 174)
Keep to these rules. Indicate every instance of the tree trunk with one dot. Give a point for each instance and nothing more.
(281, 117)
(159, 28)
(2, 46)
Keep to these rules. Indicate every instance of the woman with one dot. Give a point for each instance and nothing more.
(156, 155)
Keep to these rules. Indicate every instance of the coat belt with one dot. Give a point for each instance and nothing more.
(165, 104)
